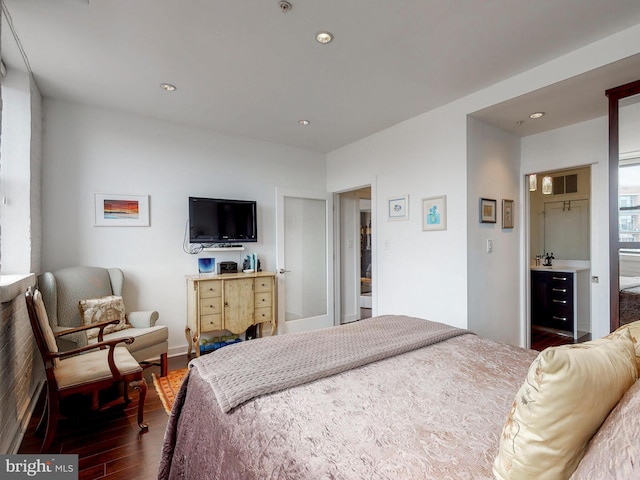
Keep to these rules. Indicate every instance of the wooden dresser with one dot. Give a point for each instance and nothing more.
(231, 302)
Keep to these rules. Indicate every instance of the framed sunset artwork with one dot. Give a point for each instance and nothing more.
(116, 210)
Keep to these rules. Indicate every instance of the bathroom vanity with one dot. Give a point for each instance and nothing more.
(560, 299)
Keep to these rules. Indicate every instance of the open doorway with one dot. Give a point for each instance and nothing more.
(560, 257)
(354, 247)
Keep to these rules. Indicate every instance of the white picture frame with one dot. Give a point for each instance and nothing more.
(117, 210)
(398, 207)
(434, 213)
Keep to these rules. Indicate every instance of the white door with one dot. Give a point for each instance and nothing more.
(304, 259)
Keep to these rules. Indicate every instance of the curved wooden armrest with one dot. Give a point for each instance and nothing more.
(108, 343)
(100, 325)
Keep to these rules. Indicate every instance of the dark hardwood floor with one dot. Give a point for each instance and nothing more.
(109, 444)
(542, 338)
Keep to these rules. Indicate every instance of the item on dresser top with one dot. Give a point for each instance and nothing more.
(206, 265)
(227, 267)
(548, 259)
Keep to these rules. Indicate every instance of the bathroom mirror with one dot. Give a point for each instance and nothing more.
(560, 220)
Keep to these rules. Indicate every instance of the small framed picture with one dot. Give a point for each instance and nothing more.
(434, 213)
(487, 210)
(398, 208)
(507, 213)
(115, 210)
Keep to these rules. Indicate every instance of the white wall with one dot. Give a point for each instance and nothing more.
(89, 150)
(425, 273)
(493, 278)
(416, 273)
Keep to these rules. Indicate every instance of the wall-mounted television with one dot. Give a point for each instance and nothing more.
(221, 221)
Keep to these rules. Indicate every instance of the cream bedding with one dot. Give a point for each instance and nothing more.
(433, 413)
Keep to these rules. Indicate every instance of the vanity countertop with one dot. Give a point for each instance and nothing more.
(558, 268)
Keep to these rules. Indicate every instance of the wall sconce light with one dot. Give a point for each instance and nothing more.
(547, 185)
(533, 182)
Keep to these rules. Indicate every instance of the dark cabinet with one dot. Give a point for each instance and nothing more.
(552, 300)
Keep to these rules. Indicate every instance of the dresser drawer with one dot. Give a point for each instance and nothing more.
(210, 289)
(210, 305)
(561, 315)
(263, 299)
(211, 322)
(561, 282)
(264, 285)
(263, 315)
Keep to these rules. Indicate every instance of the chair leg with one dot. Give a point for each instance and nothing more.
(141, 386)
(127, 398)
(163, 365)
(45, 415)
(52, 422)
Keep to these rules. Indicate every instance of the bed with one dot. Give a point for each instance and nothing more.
(629, 299)
(391, 397)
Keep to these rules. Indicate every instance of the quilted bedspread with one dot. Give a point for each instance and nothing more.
(251, 369)
(434, 412)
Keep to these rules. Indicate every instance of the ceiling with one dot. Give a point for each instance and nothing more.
(244, 67)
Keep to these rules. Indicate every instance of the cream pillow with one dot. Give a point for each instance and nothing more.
(568, 393)
(634, 330)
(95, 310)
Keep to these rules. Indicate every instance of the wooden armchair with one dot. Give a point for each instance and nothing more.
(100, 366)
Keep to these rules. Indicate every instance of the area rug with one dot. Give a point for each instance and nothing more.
(167, 387)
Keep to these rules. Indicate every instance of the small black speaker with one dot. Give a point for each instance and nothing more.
(227, 267)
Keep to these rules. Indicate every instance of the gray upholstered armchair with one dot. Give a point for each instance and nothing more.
(62, 291)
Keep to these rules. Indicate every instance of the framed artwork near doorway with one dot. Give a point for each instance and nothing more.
(507, 213)
(487, 210)
(434, 213)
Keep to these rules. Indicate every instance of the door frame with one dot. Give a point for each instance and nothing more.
(615, 95)
(526, 239)
(374, 247)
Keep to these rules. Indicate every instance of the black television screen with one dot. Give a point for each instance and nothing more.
(216, 220)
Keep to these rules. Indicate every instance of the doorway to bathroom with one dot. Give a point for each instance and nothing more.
(560, 256)
(354, 254)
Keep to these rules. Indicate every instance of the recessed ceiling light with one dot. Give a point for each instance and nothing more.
(324, 37)
(304, 123)
(536, 115)
(167, 87)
